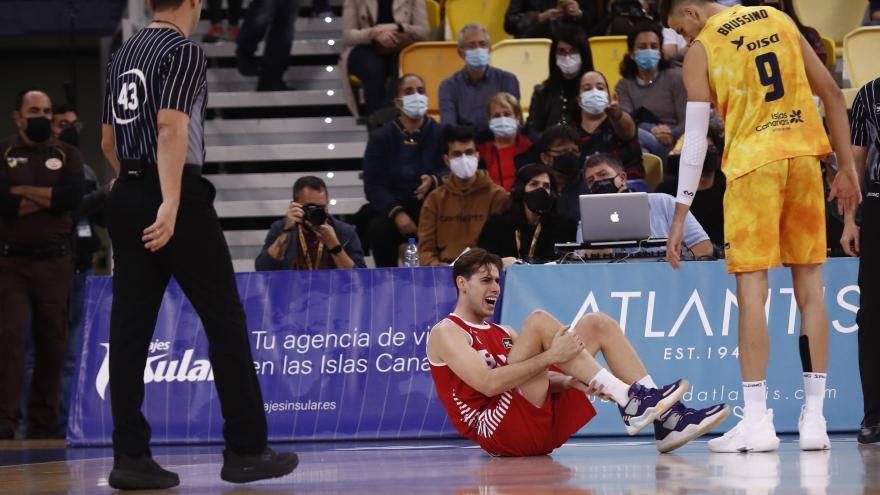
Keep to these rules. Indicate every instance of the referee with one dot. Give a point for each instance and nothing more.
(866, 244)
(162, 223)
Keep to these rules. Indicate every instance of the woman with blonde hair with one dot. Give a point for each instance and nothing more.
(509, 149)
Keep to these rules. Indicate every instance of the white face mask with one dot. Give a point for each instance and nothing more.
(464, 167)
(415, 106)
(594, 101)
(503, 126)
(570, 65)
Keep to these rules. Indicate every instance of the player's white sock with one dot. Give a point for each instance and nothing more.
(648, 382)
(755, 398)
(618, 390)
(814, 386)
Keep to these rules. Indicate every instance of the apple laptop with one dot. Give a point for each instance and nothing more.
(615, 217)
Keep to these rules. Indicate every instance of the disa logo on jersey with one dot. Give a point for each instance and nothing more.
(159, 369)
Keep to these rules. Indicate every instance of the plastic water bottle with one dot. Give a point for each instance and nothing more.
(411, 255)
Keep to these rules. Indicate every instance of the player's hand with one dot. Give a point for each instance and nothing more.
(405, 224)
(673, 244)
(849, 241)
(156, 236)
(424, 187)
(598, 390)
(293, 215)
(565, 346)
(846, 189)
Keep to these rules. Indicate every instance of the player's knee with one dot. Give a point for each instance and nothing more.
(596, 323)
(540, 317)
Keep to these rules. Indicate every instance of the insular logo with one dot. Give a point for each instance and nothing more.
(159, 369)
(782, 119)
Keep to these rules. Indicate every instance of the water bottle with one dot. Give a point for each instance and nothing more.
(411, 255)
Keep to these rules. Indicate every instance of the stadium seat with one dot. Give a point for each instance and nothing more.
(653, 169)
(489, 13)
(434, 61)
(433, 9)
(862, 63)
(527, 58)
(832, 19)
(607, 52)
(830, 52)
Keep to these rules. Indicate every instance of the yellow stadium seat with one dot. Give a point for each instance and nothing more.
(653, 169)
(862, 62)
(830, 52)
(527, 58)
(433, 9)
(608, 51)
(489, 13)
(434, 61)
(832, 18)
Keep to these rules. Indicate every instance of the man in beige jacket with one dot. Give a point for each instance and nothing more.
(454, 214)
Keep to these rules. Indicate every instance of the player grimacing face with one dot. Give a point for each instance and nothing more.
(480, 292)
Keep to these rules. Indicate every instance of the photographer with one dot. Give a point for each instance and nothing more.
(324, 243)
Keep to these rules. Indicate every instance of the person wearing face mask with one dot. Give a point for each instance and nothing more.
(464, 95)
(560, 152)
(554, 101)
(651, 91)
(605, 128)
(41, 184)
(604, 174)
(542, 18)
(510, 149)
(403, 162)
(454, 214)
(530, 228)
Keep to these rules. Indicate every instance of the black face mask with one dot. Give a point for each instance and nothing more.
(568, 164)
(70, 136)
(539, 201)
(38, 129)
(605, 186)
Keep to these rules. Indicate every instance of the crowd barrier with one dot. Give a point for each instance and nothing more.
(340, 354)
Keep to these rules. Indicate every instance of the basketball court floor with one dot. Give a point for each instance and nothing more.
(583, 466)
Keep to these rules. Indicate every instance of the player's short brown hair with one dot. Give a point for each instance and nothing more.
(666, 7)
(472, 261)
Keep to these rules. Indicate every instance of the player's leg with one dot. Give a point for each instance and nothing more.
(803, 248)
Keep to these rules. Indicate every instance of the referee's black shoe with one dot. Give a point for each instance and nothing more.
(140, 473)
(247, 468)
(869, 434)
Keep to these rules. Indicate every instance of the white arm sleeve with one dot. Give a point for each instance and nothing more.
(693, 152)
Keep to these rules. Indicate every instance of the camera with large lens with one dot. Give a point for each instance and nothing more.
(315, 214)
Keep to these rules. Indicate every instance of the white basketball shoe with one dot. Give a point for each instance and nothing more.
(748, 436)
(812, 430)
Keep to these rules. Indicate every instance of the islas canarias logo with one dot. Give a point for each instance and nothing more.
(160, 369)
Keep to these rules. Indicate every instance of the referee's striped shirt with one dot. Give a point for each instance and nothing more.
(155, 69)
(866, 124)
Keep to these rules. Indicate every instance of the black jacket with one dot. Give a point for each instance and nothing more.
(499, 236)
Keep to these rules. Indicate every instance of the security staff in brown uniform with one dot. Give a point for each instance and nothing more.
(41, 183)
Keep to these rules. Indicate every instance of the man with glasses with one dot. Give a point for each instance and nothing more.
(454, 214)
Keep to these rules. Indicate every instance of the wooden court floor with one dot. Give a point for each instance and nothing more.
(583, 466)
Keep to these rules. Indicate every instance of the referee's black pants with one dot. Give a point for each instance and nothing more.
(198, 258)
(868, 317)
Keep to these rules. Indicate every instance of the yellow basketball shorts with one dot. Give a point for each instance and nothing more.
(775, 215)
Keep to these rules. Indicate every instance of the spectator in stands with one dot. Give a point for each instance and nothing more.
(464, 95)
(541, 18)
(308, 237)
(41, 184)
(554, 101)
(605, 174)
(66, 127)
(454, 214)
(560, 152)
(708, 205)
(651, 91)
(375, 32)
(215, 16)
(273, 20)
(530, 228)
(874, 16)
(605, 128)
(620, 17)
(510, 149)
(402, 163)
(813, 37)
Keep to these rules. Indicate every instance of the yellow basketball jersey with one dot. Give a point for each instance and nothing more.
(760, 88)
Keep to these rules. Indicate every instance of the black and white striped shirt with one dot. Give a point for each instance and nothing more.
(155, 69)
(866, 124)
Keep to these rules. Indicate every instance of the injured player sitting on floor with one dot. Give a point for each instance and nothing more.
(525, 394)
